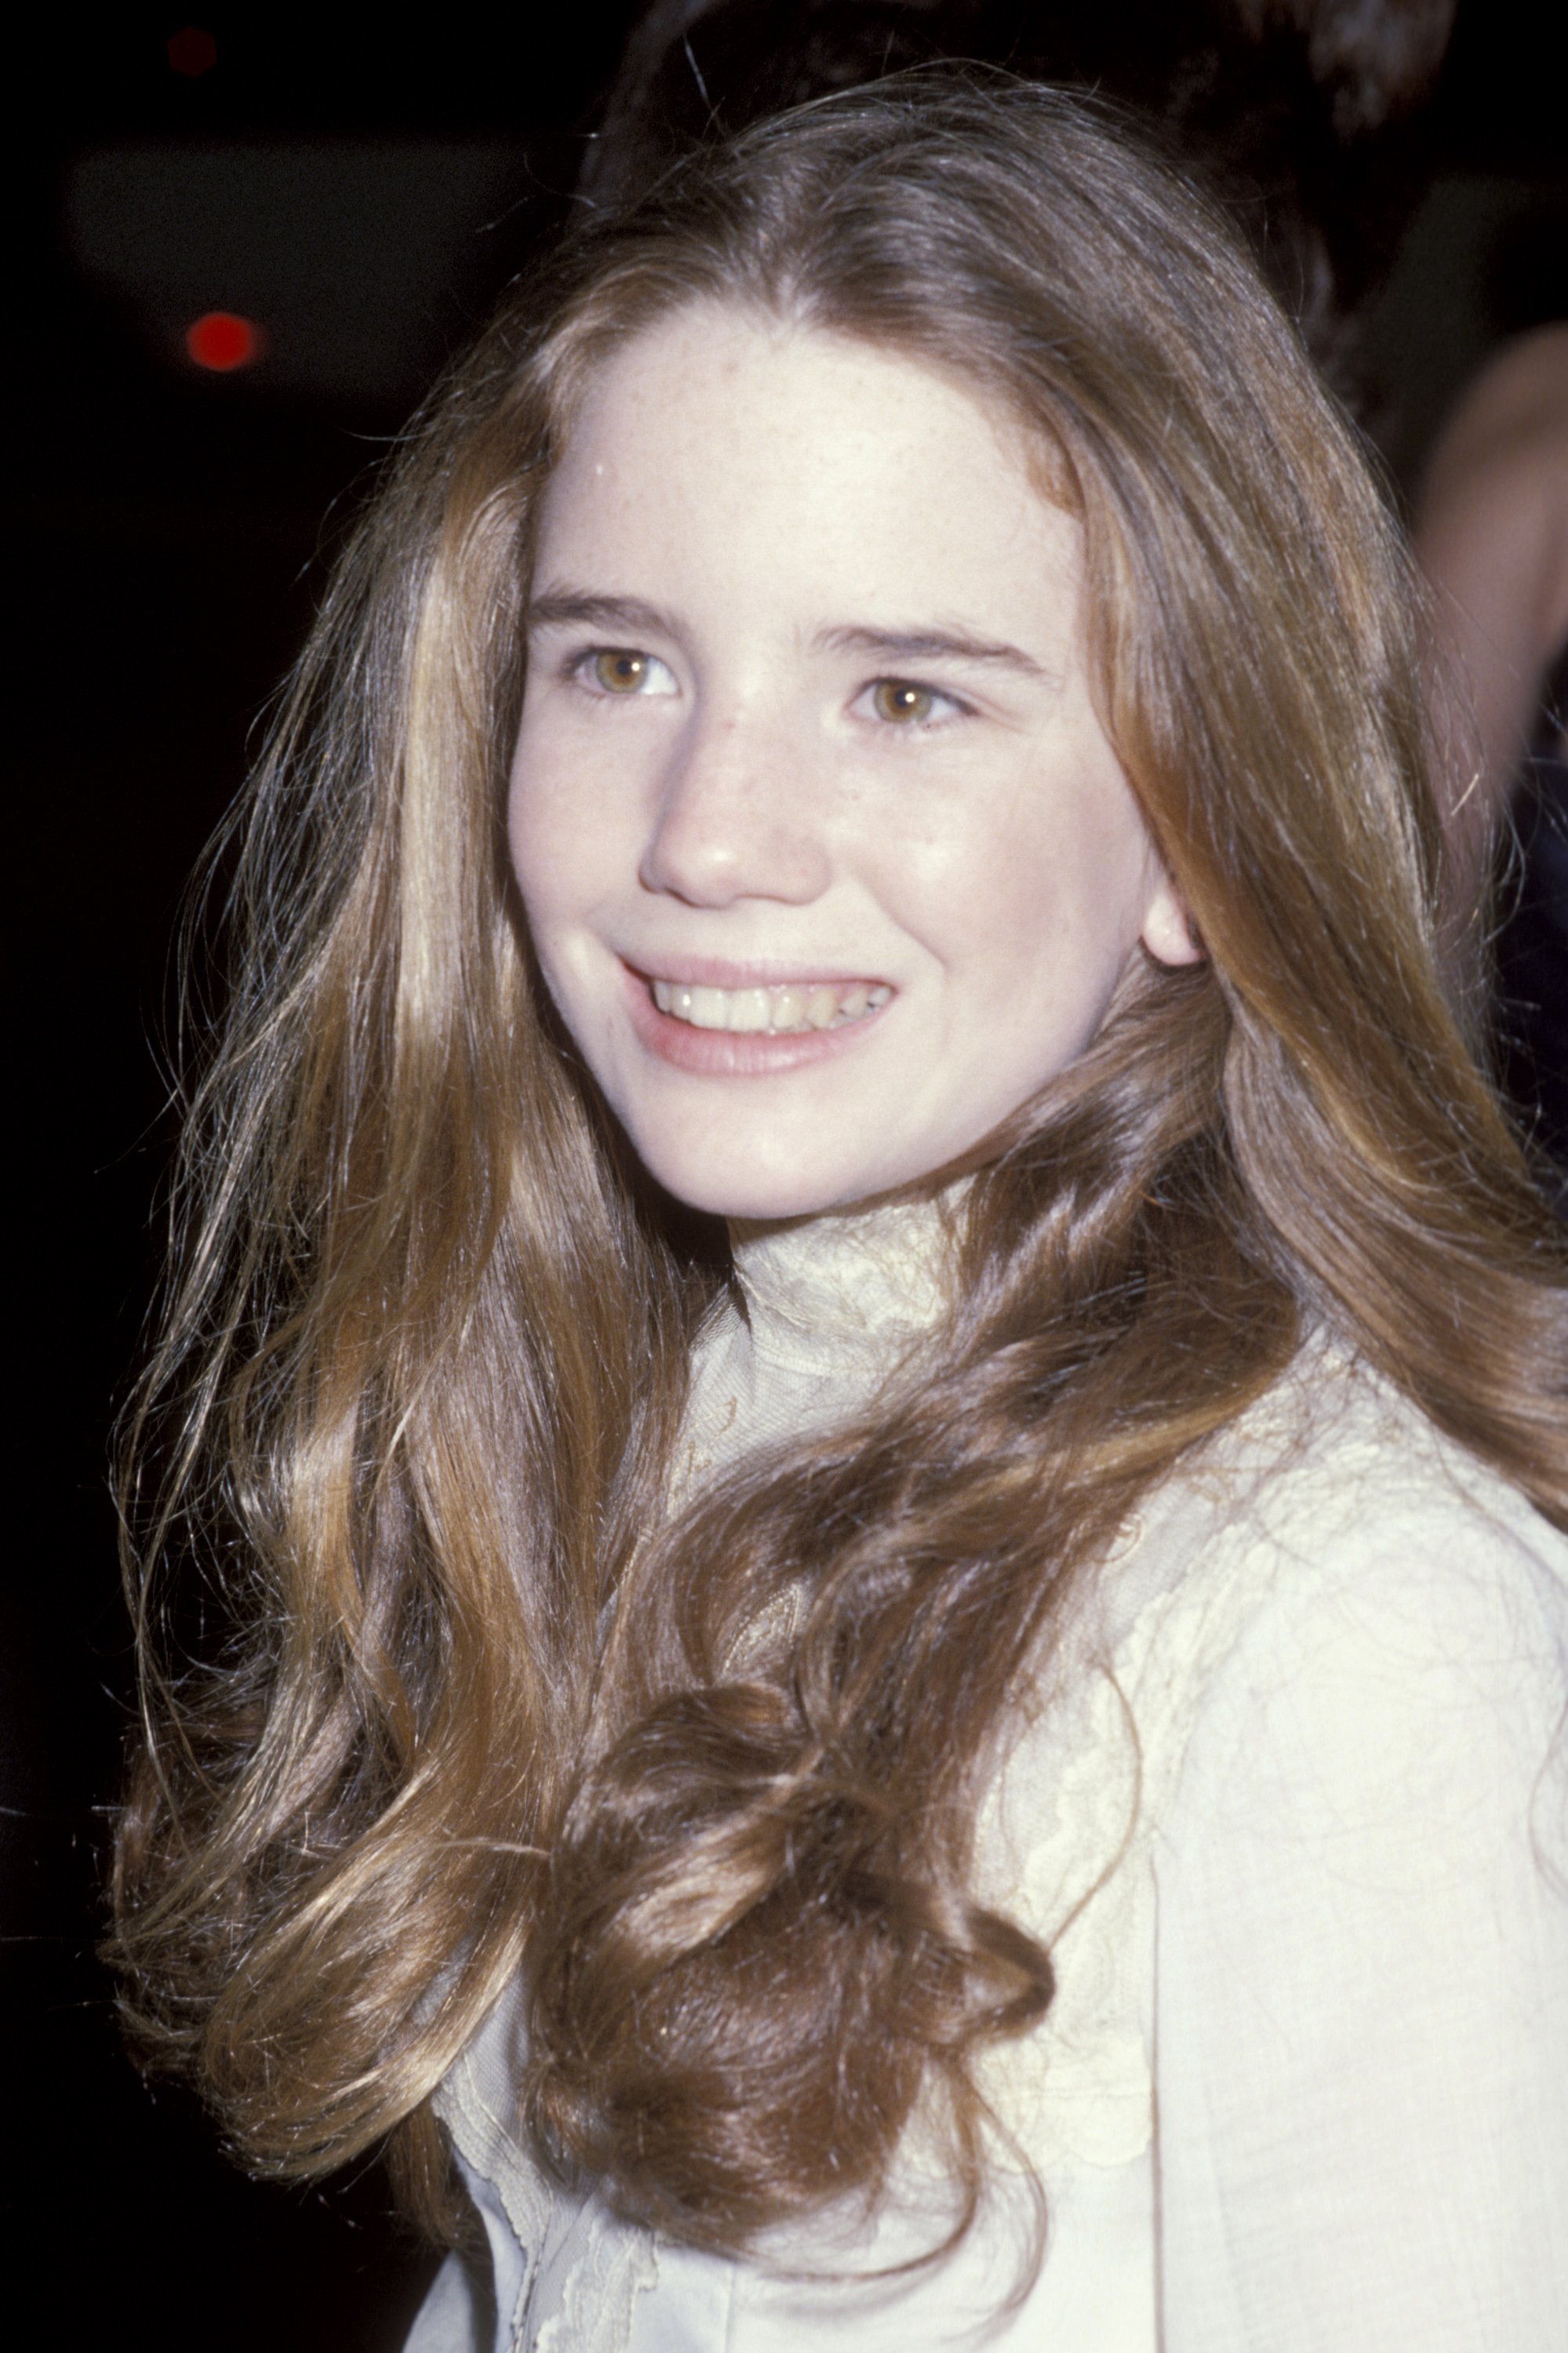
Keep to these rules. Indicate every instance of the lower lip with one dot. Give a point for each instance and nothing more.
(737, 1054)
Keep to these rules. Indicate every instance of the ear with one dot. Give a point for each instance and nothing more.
(1168, 931)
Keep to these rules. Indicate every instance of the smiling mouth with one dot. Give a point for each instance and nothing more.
(786, 1010)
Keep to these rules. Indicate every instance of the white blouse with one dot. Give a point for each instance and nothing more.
(1289, 1811)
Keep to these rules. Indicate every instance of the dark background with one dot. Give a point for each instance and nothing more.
(364, 195)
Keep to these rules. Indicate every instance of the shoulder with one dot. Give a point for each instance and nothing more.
(1513, 410)
(1359, 2003)
(1502, 453)
(1364, 1510)
(1328, 1669)
(1391, 1619)
(1337, 1491)
(1494, 505)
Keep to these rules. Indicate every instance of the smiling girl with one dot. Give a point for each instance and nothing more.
(870, 1403)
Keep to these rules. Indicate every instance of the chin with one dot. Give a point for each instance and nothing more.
(759, 1201)
(759, 1193)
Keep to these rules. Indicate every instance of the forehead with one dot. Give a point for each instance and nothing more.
(720, 435)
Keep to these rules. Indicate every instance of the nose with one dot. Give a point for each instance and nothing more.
(737, 818)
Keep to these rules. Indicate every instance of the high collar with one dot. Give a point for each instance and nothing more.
(849, 1290)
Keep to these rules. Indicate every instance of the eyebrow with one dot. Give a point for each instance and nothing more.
(935, 645)
(562, 608)
(565, 609)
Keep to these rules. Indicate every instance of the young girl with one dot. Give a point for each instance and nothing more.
(978, 1753)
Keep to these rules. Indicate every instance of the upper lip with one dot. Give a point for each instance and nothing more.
(758, 972)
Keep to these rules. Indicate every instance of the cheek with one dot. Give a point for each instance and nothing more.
(1038, 904)
(547, 849)
(546, 844)
(527, 835)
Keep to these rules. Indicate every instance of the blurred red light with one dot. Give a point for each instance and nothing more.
(193, 52)
(222, 340)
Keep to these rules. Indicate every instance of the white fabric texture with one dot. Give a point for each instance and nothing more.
(1289, 1811)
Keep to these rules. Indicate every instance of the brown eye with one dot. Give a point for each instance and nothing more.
(619, 672)
(895, 699)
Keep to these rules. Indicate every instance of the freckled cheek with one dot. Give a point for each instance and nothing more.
(524, 829)
(979, 899)
(547, 801)
(547, 850)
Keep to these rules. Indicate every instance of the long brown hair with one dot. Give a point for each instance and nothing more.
(445, 1706)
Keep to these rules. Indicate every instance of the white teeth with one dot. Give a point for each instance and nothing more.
(749, 1009)
(706, 1009)
(794, 1007)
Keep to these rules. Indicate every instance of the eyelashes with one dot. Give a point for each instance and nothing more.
(909, 706)
(621, 672)
(898, 705)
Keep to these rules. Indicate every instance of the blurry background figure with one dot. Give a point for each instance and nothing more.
(1492, 533)
(1304, 116)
